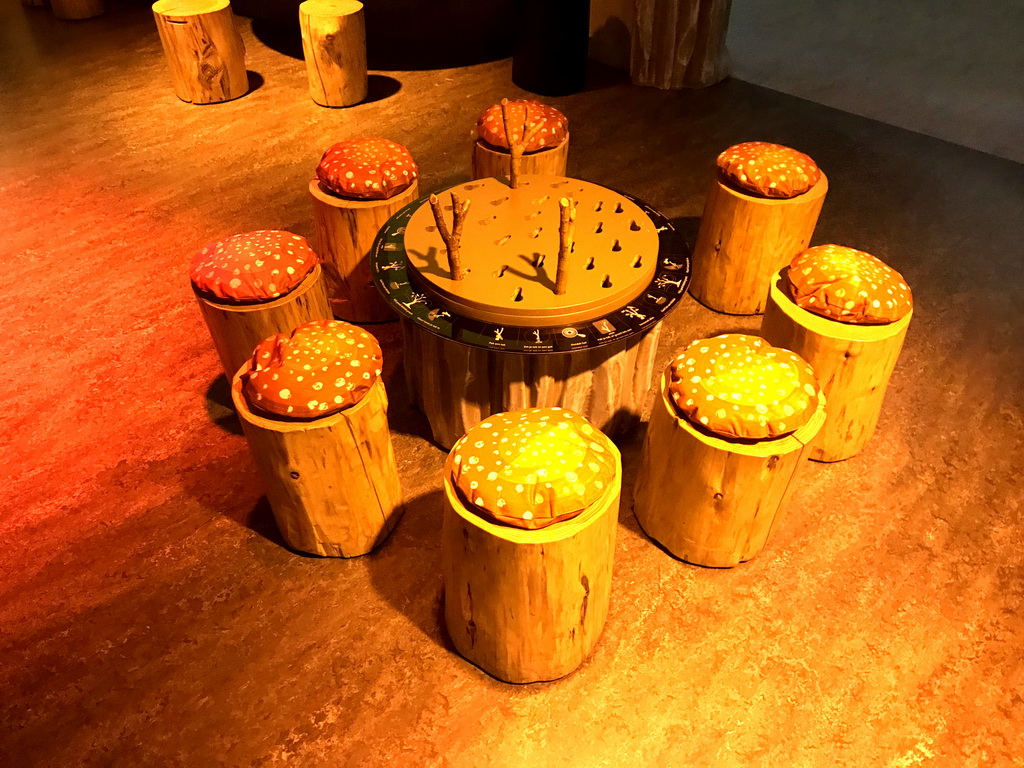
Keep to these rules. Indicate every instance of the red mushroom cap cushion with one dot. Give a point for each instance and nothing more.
(367, 169)
(848, 285)
(741, 386)
(252, 267)
(322, 367)
(532, 468)
(768, 170)
(546, 127)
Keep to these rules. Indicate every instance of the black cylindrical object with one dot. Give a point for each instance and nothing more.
(550, 55)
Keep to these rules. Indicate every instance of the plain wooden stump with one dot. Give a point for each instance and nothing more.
(712, 501)
(528, 605)
(345, 230)
(203, 49)
(497, 163)
(236, 329)
(744, 240)
(75, 9)
(334, 46)
(853, 364)
(458, 386)
(332, 482)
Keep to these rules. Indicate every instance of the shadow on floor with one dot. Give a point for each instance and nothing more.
(219, 406)
(406, 569)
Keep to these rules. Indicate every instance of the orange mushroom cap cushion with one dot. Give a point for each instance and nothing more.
(848, 285)
(252, 267)
(768, 170)
(532, 468)
(546, 127)
(742, 387)
(367, 169)
(322, 367)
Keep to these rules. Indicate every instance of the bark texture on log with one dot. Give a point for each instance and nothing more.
(488, 162)
(334, 46)
(680, 43)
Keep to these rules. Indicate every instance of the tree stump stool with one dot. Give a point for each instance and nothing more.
(752, 227)
(203, 49)
(75, 9)
(712, 499)
(334, 46)
(528, 542)
(348, 213)
(540, 141)
(853, 361)
(240, 316)
(331, 479)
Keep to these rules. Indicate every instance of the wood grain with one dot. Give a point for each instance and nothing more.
(344, 231)
(744, 240)
(489, 162)
(853, 364)
(711, 501)
(457, 386)
(203, 49)
(331, 482)
(75, 9)
(680, 43)
(334, 46)
(237, 329)
(528, 605)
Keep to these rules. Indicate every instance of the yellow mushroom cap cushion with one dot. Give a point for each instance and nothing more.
(532, 468)
(848, 285)
(768, 170)
(740, 386)
(322, 367)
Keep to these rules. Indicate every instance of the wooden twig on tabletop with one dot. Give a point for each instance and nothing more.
(454, 235)
(566, 231)
(516, 146)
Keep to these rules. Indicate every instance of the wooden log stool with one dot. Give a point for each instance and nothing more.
(731, 430)
(334, 46)
(314, 412)
(253, 285)
(360, 184)
(203, 49)
(73, 10)
(540, 140)
(847, 314)
(528, 541)
(760, 212)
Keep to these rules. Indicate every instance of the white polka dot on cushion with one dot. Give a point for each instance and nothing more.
(252, 267)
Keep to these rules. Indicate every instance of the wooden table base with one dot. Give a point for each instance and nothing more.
(457, 386)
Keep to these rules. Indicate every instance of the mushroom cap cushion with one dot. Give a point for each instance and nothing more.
(768, 170)
(739, 386)
(320, 368)
(367, 169)
(252, 267)
(551, 125)
(532, 468)
(848, 285)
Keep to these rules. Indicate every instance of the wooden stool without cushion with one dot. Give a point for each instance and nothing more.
(847, 314)
(760, 212)
(725, 443)
(528, 542)
(360, 184)
(334, 46)
(203, 49)
(74, 9)
(546, 152)
(254, 285)
(314, 412)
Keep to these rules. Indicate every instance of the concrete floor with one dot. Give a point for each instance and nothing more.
(149, 615)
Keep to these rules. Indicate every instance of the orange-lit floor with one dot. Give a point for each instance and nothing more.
(149, 615)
